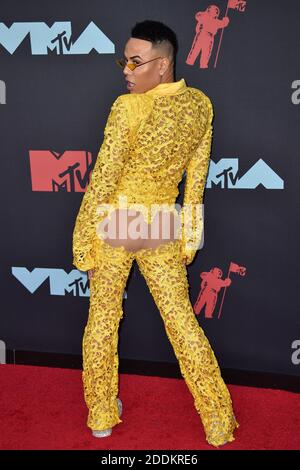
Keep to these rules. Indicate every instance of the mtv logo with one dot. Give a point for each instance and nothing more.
(239, 5)
(225, 174)
(54, 172)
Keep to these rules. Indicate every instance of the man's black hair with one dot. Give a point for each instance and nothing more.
(156, 32)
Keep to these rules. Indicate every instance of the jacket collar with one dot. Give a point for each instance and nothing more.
(170, 88)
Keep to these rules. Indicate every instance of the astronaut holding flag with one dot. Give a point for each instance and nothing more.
(208, 24)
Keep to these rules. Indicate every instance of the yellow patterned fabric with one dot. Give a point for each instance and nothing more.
(150, 139)
(166, 277)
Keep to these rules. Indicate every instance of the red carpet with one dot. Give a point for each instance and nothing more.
(43, 408)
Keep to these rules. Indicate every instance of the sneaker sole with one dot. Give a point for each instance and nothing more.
(107, 432)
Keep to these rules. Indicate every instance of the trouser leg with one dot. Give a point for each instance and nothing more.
(100, 339)
(166, 277)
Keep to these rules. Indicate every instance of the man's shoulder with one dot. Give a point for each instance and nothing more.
(127, 97)
(120, 100)
(128, 101)
(200, 95)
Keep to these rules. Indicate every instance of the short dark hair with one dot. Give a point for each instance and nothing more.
(156, 32)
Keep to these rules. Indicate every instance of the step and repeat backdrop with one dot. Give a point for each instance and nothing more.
(58, 80)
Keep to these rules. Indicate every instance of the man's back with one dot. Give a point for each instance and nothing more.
(166, 125)
(150, 139)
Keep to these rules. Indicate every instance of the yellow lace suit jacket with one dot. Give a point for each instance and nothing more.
(150, 140)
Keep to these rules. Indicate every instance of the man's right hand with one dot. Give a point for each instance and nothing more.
(90, 273)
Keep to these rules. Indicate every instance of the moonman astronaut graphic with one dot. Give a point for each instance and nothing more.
(208, 24)
(211, 284)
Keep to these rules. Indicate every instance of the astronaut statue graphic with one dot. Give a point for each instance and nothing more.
(211, 285)
(208, 24)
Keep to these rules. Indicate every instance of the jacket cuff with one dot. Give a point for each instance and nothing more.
(84, 262)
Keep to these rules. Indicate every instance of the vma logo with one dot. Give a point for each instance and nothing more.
(209, 23)
(225, 174)
(75, 283)
(56, 39)
(52, 171)
(70, 172)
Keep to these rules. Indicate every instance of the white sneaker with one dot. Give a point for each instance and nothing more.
(120, 406)
(104, 433)
(107, 432)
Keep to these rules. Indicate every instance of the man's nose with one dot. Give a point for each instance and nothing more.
(127, 70)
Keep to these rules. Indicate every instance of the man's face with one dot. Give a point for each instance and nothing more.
(146, 76)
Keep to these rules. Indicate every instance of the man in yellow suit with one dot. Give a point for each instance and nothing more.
(156, 132)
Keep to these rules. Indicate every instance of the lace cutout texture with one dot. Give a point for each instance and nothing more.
(149, 141)
(162, 269)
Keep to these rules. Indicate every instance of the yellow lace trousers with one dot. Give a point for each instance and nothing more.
(166, 277)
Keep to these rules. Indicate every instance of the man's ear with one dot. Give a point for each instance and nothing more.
(165, 63)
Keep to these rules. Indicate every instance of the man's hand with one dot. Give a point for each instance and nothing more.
(90, 273)
(188, 256)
